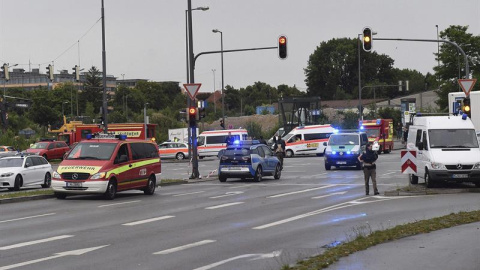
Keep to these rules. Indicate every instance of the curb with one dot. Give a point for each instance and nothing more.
(432, 191)
(26, 198)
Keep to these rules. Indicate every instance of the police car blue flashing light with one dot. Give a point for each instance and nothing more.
(379, 121)
(237, 142)
(88, 136)
(348, 152)
(362, 127)
(335, 131)
(334, 152)
(122, 137)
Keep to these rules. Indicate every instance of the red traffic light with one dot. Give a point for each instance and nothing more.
(192, 111)
(282, 47)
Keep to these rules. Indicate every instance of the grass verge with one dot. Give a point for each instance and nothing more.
(26, 193)
(362, 241)
(166, 182)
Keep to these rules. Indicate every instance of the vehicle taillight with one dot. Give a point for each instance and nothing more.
(224, 158)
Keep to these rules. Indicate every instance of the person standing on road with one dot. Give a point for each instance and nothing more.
(369, 168)
(229, 139)
(399, 131)
(280, 150)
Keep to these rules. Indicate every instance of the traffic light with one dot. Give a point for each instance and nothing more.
(6, 75)
(192, 115)
(201, 113)
(50, 72)
(367, 39)
(466, 107)
(76, 72)
(282, 47)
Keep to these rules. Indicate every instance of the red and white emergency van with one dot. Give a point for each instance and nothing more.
(380, 131)
(306, 140)
(106, 164)
(211, 142)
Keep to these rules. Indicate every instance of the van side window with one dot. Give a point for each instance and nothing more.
(316, 136)
(138, 151)
(123, 150)
(216, 139)
(418, 139)
(151, 150)
(244, 137)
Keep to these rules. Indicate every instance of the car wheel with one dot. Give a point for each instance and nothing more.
(179, 156)
(477, 184)
(328, 167)
(379, 152)
(278, 172)
(60, 196)
(111, 190)
(18, 183)
(258, 174)
(413, 179)
(47, 182)
(428, 180)
(222, 178)
(151, 185)
(289, 153)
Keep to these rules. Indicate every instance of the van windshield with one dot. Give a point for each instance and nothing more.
(452, 138)
(92, 151)
(347, 139)
(372, 133)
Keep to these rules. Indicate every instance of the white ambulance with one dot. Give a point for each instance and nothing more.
(211, 142)
(305, 140)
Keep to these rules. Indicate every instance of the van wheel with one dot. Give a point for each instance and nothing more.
(289, 153)
(328, 167)
(60, 196)
(222, 178)
(278, 172)
(258, 174)
(386, 151)
(179, 156)
(413, 179)
(18, 183)
(47, 182)
(111, 190)
(151, 185)
(428, 180)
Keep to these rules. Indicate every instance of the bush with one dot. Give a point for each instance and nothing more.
(254, 129)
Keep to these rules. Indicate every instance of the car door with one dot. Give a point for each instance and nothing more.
(122, 163)
(270, 158)
(40, 170)
(29, 171)
(422, 154)
(262, 161)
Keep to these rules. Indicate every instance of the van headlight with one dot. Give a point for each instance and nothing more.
(98, 176)
(477, 165)
(56, 175)
(438, 166)
(6, 174)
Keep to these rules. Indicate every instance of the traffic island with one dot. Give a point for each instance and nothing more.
(421, 189)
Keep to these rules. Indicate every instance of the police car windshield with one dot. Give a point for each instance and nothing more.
(452, 138)
(11, 162)
(92, 151)
(344, 139)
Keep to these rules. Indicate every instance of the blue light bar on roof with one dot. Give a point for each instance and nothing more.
(88, 136)
(379, 121)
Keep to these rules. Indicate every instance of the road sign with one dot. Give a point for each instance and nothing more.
(409, 161)
(192, 89)
(467, 85)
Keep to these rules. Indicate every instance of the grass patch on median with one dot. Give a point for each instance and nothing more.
(166, 182)
(362, 241)
(26, 193)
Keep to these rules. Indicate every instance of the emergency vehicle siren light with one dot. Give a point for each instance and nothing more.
(88, 136)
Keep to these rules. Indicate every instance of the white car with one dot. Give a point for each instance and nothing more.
(25, 171)
(176, 150)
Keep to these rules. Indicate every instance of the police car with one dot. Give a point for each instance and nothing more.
(343, 149)
(248, 159)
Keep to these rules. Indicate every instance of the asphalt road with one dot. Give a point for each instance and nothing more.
(212, 225)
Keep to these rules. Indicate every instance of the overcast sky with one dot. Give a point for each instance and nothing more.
(145, 39)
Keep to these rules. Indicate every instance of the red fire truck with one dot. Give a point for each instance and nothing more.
(132, 130)
(381, 131)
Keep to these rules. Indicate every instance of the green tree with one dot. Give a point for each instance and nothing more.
(92, 89)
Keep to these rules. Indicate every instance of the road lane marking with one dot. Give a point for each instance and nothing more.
(242, 186)
(254, 257)
(323, 210)
(300, 191)
(16, 219)
(331, 194)
(387, 173)
(77, 252)
(191, 193)
(114, 204)
(180, 248)
(36, 242)
(233, 193)
(147, 220)
(223, 205)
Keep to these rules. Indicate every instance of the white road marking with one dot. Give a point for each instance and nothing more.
(331, 194)
(233, 193)
(114, 204)
(191, 193)
(323, 210)
(36, 242)
(300, 191)
(240, 186)
(77, 252)
(388, 173)
(172, 250)
(223, 205)
(255, 257)
(16, 219)
(147, 220)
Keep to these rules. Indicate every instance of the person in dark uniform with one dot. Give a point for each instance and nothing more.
(280, 150)
(229, 139)
(369, 168)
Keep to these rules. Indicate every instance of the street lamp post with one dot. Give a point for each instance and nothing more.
(359, 81)
(214, 93)
(221, 48)
(187, 40)
(145, 119)
(65, 102)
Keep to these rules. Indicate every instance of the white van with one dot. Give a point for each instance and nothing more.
(210, 142)
(307, 140)
(447, 149)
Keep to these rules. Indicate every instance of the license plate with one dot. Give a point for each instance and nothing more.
(74, 184)
(341, 162)
(460, 176)
(235, 168)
